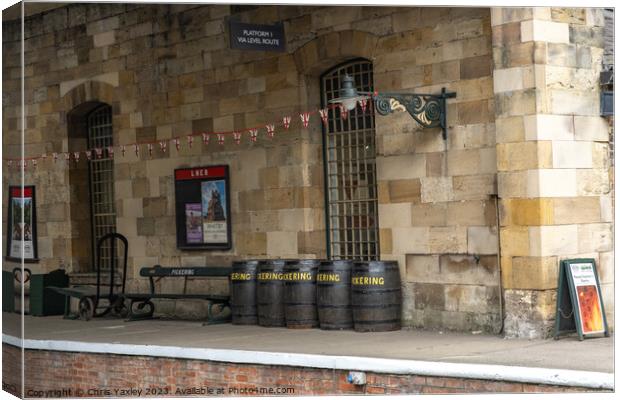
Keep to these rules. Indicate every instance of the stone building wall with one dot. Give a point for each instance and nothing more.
(552, 155)
(167, 70)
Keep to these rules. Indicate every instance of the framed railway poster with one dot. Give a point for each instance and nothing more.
(202, 205)
(21, 225)
(579, 302)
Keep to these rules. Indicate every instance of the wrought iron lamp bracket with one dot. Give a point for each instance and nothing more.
(428, 110)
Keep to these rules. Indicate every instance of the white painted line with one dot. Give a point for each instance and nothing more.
(546, 376)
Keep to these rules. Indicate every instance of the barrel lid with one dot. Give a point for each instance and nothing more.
(337, 262)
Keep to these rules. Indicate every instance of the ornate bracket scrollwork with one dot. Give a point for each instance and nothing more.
(429, 110)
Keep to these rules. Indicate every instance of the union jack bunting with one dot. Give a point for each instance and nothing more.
(271, 129)
(286, 121)
(344, 113)
(221, 138)
(163, 144)
(305, 118)
(237, 137)
(324, 113)
(253, 135)
(98, 152)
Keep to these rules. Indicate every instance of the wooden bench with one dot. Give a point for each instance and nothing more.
(156, 273)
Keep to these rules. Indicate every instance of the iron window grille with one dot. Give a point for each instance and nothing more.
(350, 172)
(101, 181)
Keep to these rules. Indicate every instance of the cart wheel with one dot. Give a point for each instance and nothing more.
(140, 307)
(120, 308)
(86, 308)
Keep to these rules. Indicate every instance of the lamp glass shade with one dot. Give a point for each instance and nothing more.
(350, 103)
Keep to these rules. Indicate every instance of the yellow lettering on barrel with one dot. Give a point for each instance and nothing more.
(328, 278)
(240, 276)
(368, 280)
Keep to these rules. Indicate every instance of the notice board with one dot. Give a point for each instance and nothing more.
(579, 302)
(21, 232)
(202, 205)
(257, 37)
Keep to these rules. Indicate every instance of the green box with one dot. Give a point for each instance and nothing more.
(44, 301)
(8, 292)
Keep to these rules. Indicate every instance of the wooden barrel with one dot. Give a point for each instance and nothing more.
(333, 294)
(300, 294)
(376, 296)
(243, 292)
(270, 292)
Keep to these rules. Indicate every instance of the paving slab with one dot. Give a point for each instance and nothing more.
(594, 354)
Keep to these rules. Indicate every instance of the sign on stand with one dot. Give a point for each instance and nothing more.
(257, 37)
(579, 302)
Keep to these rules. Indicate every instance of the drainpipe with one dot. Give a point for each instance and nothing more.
(499, 267)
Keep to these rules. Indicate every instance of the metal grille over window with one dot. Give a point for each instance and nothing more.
(101, 173)
(351, 182)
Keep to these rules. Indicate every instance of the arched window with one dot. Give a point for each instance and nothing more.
(101, 175)
(349, 160)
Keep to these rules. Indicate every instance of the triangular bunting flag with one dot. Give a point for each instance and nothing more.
(253, 135)
(221, 138)
(344, 113)
(323, 112)
(286, 121)
(271, 129)
(305, 118)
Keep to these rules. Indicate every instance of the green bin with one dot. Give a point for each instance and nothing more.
(8, 292)
(44, 301)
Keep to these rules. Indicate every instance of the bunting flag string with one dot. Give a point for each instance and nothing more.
(253, 132)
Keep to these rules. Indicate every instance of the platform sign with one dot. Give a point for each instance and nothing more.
(257, 37)
(579, 303)
(203, 208)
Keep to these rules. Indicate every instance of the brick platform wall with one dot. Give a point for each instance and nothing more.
(100, 375)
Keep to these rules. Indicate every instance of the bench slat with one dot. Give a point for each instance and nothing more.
(159, 271)
(144, 296)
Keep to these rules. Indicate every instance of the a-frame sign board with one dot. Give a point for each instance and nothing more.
(579, 302)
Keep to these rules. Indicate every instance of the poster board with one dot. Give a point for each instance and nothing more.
(22, 201)
(202, 206)
(579, 302)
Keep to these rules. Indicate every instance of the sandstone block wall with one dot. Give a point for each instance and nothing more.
(523, 127)
(552, 157)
